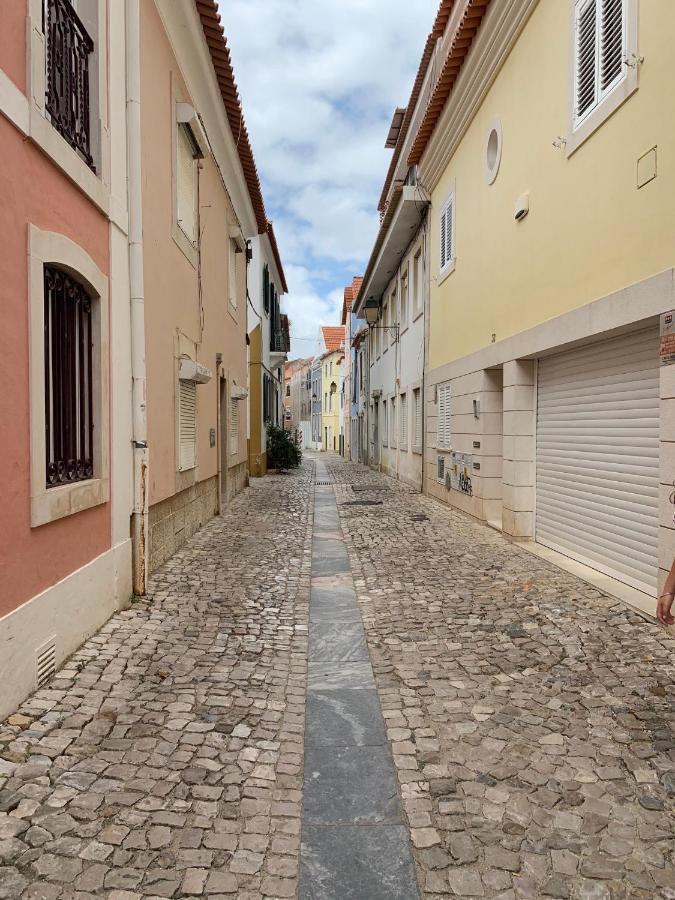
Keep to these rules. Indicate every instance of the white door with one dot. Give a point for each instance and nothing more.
(598, 456)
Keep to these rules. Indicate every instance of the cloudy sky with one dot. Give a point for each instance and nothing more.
(319, 81)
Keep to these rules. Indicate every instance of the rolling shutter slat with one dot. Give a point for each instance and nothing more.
(598, 456)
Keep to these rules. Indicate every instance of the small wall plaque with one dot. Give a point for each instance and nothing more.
(212, 437)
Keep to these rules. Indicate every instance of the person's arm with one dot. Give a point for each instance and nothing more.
(665, 601)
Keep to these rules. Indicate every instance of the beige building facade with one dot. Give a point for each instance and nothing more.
(199, 215)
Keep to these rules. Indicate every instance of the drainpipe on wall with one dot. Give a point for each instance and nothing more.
(138, 388)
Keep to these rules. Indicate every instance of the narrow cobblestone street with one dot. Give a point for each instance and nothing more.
(527, 715)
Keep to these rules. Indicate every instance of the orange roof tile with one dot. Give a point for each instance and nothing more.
(222, 65)
(333, 337)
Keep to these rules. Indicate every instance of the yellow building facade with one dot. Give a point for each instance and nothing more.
(330, 406)
(551, 173)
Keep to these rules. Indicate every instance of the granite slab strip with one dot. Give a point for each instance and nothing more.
(331, 642)
(354, 843)
(356, 863)
(344, 718)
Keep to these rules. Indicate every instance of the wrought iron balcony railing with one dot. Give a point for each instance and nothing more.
(68, 50)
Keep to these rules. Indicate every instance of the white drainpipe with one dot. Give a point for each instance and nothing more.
(139, 409)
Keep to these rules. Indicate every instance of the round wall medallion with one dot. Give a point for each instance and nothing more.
(493, 150)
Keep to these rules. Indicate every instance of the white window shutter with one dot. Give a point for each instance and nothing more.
(234, 426)
(403, 422)
(612, 50)
(444, 436)
(447, 236)
(187, 425)
(586, 74)
(185, 185)
(418, 417)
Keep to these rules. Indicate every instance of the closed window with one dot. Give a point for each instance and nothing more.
(444, 439)
(186, 183)
(392, 422)
(404, 300)
(600, 50)
(417, 412)
(385, 424)
(187, 425)
(68, 379)
(418, 297)
(403, 422)
(234, 425)
(447, 235)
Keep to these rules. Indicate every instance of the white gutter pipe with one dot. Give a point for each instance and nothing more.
(139, 409)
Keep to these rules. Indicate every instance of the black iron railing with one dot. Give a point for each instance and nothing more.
(68, 50)
(68, 379)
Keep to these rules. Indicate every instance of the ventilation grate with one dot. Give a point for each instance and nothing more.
(45, 661)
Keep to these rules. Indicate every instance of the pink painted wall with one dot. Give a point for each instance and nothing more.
(13, 40)
(34, 191)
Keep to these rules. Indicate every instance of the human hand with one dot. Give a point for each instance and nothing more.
(663, 607)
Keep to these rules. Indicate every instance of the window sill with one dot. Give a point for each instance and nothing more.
(443, 274)
(48, 139)
(185, 245)
(55, 503)
(601, 113)
(417, 450)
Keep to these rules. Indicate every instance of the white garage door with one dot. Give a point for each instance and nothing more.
(598, 456)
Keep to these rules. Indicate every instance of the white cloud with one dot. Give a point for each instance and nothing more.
(319, 81)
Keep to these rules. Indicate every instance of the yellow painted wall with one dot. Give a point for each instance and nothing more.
(589, 231)
(328, 420)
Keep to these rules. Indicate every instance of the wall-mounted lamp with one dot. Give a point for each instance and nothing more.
(371, 308)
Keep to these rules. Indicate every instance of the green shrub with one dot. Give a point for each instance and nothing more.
(283, 452)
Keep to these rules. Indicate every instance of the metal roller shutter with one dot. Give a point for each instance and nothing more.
(598, 456)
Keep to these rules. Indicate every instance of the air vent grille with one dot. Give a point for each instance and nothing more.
(45, 661)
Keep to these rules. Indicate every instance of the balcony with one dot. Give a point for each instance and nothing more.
(69, 48)
(280, 338)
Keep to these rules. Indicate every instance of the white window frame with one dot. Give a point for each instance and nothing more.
(403, 421)
(417, 399)
(447, 215)
(49, 504)
(96, 185)
(405, 292)
(444, 424)
(580, 129)
(418, 282)
(393, 422)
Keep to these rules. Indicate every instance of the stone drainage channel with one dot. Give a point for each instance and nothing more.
(355, 843)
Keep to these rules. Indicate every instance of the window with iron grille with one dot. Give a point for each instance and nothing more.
(68, 379)
(68, 51)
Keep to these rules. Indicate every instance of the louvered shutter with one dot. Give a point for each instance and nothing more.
(586, 56)
(185, 186)
(187, 424)
(447, 237)
(403, 422)
(598, 456)
(392, 423)
(612, 49)
(444, 435)
(418, 417)
(234, 426)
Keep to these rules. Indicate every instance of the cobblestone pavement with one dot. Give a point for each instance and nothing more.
(165, 759)
(529, 715)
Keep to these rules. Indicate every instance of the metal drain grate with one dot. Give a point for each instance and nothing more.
(323, 483)
(45, 661)
(362, 503)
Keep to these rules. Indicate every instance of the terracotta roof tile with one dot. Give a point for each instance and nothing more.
(222, 66)
(333, 337)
